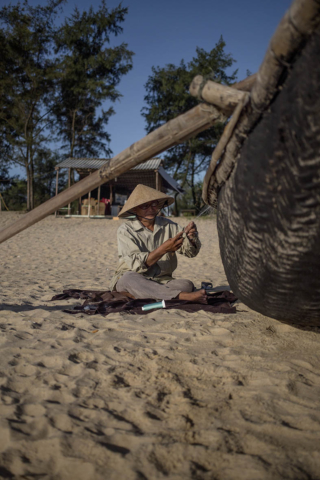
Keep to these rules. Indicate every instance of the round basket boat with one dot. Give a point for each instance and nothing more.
(267, 183)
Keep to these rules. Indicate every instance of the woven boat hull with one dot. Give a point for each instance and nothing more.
(269, 209)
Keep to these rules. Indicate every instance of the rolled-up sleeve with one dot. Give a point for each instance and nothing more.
(188, 249)
(130, 253)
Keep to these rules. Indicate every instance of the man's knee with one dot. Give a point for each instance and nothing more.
(130, 275)
(183, 284)
(126, 280)
(189, 286)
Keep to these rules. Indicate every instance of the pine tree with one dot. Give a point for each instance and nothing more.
(57, 77)
(168, 96)
(26, 71)
(90, 70)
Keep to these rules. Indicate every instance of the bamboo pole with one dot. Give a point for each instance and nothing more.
(298, 23)
(172, 133)
(217, 152)
(222, 96)
(246, 84)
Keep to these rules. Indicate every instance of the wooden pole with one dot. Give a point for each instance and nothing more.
(99, 193)
(111, 196)
(291, 34)
(89, 206)
(246, 84)
(69, 185)
(57, 189)
(111, 199)
(222, 96)
(217, 152)
(172, 133)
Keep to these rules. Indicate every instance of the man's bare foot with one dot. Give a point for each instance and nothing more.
(197, 297)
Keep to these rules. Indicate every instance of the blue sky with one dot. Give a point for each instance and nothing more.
(166, 31)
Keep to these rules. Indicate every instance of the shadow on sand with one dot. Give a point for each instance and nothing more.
(30, 308)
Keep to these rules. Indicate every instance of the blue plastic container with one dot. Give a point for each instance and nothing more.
(151, 306)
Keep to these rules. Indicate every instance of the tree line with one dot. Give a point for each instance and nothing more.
(167, 96)
(56, 79)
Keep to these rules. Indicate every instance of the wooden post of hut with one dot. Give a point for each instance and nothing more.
(57, 188)
(89, 203)
(99, 193)
(69, 185)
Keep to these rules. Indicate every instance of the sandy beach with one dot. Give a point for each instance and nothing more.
(169, 395)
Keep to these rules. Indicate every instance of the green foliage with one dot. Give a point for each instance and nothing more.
(45, 175)
(26, 70)
(5, 179)
(57, 77)
(89, 72)
(4, 175)
(15, 195)
(187, 200)
(14, 191)
(168, 96)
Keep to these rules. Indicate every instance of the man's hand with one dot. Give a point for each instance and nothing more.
(173, 244)
(191, 231)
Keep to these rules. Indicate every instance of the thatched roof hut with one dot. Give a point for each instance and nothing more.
(150, 173)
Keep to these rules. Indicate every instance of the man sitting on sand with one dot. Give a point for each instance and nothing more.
(147, 246)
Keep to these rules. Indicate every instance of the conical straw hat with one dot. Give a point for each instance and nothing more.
(140, 195)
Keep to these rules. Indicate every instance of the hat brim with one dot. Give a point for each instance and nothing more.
(127, 211)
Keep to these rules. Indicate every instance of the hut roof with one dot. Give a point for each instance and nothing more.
(96, 163)
(130, 178)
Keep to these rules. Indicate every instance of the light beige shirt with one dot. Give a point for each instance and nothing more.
(135, 242)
